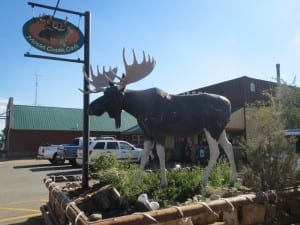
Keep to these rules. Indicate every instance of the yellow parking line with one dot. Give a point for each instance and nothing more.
(19, 209)
(15, 218)
(22, 202)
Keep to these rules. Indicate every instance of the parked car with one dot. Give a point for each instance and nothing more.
(295, 133)
(49, 152)
(120, 149)
(58, 154)
(69, 151)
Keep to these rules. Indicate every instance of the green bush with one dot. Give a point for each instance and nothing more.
(271, 156)
(183, 183)
(221, 174)
(104, 162)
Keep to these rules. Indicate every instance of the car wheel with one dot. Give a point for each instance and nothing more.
(73, 163)
(56, 160)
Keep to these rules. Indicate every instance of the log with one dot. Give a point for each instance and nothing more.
(211, 211)
(214, 207)
(66, 206)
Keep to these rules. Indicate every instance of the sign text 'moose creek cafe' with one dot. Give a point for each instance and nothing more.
(53, 35)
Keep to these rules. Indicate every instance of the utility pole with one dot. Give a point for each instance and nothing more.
(36, 88)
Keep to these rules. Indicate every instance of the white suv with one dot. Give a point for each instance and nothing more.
(120, 149)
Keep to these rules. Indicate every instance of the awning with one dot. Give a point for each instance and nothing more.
(237, 120)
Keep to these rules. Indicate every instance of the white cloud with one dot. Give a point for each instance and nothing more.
(3, 100)
(3, 104)
(296, 41)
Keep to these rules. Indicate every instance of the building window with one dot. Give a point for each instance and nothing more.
(137, 140)
(252, 87)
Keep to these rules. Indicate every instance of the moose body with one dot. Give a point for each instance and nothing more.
(160, 114)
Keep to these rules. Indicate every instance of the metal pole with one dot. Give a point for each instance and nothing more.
(86, 100)
(27, 54)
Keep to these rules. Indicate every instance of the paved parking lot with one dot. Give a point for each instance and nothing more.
(22, 190)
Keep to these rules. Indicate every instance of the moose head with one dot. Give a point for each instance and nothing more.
(112, 99)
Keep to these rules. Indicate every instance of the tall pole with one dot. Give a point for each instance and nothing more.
(278, 73)
(86, 98)
(86, 101)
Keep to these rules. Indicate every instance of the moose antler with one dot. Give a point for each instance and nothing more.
(133, 73)
(136, 71)
(101, 80)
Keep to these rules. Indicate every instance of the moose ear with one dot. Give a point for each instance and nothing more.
(122, 87)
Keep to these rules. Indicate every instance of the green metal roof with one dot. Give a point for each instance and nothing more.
(25, 117)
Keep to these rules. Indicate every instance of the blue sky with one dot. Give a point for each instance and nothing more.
(196, 43)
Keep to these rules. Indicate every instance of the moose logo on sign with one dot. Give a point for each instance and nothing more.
(53, 35)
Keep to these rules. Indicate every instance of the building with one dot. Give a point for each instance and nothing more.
(28, 127)
(242, 92)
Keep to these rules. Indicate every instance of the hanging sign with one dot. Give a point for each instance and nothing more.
(53, 35)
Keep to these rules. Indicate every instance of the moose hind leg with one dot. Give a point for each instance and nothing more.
(148, 145)
(227, 146)
(162, 161)
(214, 154)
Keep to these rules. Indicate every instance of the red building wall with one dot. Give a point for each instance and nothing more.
(29, 140)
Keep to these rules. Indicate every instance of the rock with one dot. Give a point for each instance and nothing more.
(214, 197)
(95, 216)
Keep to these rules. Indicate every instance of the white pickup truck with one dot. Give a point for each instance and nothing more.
(57, 154)
(50, 152)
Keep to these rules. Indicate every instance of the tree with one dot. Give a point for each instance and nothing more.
(271, 156)
(288, 98)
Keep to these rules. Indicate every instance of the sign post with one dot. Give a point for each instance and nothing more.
(86, 101)
(56, 36)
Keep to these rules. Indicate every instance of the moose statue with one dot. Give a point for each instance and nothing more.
(160, 114)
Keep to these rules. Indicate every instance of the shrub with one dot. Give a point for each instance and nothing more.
(270, 155)
(184, 183)
(221, 174)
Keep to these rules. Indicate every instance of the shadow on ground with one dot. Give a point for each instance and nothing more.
(38, 220)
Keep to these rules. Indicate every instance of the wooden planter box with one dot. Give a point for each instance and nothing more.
(247, 209)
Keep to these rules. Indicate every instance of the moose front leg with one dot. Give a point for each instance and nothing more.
(161, 155)
(148, 145)
(227, 146)
(214, 154)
